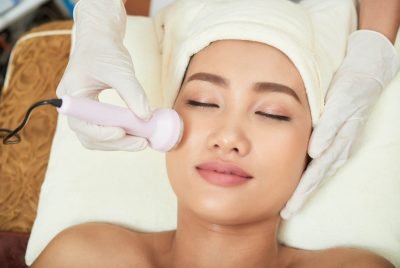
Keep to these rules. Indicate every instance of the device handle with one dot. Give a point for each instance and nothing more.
(105, 114)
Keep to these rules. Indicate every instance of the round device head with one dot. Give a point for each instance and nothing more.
(168, 129)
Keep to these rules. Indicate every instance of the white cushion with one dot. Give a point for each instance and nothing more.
(125, 188)
(358, 206)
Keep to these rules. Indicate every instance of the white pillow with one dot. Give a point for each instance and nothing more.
(358, 206)
(125, 188)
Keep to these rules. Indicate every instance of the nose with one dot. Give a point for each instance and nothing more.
(229, 139)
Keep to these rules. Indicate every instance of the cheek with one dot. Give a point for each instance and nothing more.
(193, 137)
(288, 146)
(183, 158)
(279, 159)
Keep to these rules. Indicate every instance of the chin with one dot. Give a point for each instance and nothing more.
(221, 204)
(222, 211)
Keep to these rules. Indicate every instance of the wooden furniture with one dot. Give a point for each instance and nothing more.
(37, 64)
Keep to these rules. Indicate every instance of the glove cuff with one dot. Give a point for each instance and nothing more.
(100, 18)
(89, 3)
(370, 53)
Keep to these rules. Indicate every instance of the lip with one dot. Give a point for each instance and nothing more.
(223, 174)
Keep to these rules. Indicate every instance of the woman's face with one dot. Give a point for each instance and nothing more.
(247, 126)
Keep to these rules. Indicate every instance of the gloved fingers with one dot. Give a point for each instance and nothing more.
(334, 156)
(67, 87)
(133, 94)
(62, 88)
(95, 132)
(75, 84)
(311, 178)
(337, 112)
(346, 138)
(126, 143)
(323, 167)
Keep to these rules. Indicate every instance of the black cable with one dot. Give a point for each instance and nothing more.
(14, 133)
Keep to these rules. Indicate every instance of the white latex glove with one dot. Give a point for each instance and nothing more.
(370, 64)
(100, 61)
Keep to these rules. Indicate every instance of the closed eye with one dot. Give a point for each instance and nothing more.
(202, 104)
(275, 116)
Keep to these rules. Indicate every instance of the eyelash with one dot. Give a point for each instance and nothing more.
(275, 116)
(211, 105)
(201, 104)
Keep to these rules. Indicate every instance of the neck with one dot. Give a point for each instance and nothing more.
(198, 243)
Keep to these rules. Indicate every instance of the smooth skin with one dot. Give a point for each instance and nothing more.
(380, 16)
(232, 115)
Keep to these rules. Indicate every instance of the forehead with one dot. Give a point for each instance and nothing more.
(247, 62)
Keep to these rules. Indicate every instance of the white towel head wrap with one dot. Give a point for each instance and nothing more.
(187, 26)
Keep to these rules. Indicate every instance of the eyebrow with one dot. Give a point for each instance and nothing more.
(259, 87)
(212, 78)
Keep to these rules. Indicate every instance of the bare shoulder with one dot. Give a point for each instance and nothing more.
(340, 257)
(101, 245)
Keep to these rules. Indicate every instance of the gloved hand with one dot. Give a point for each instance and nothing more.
(370, 64)
(100, 61)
